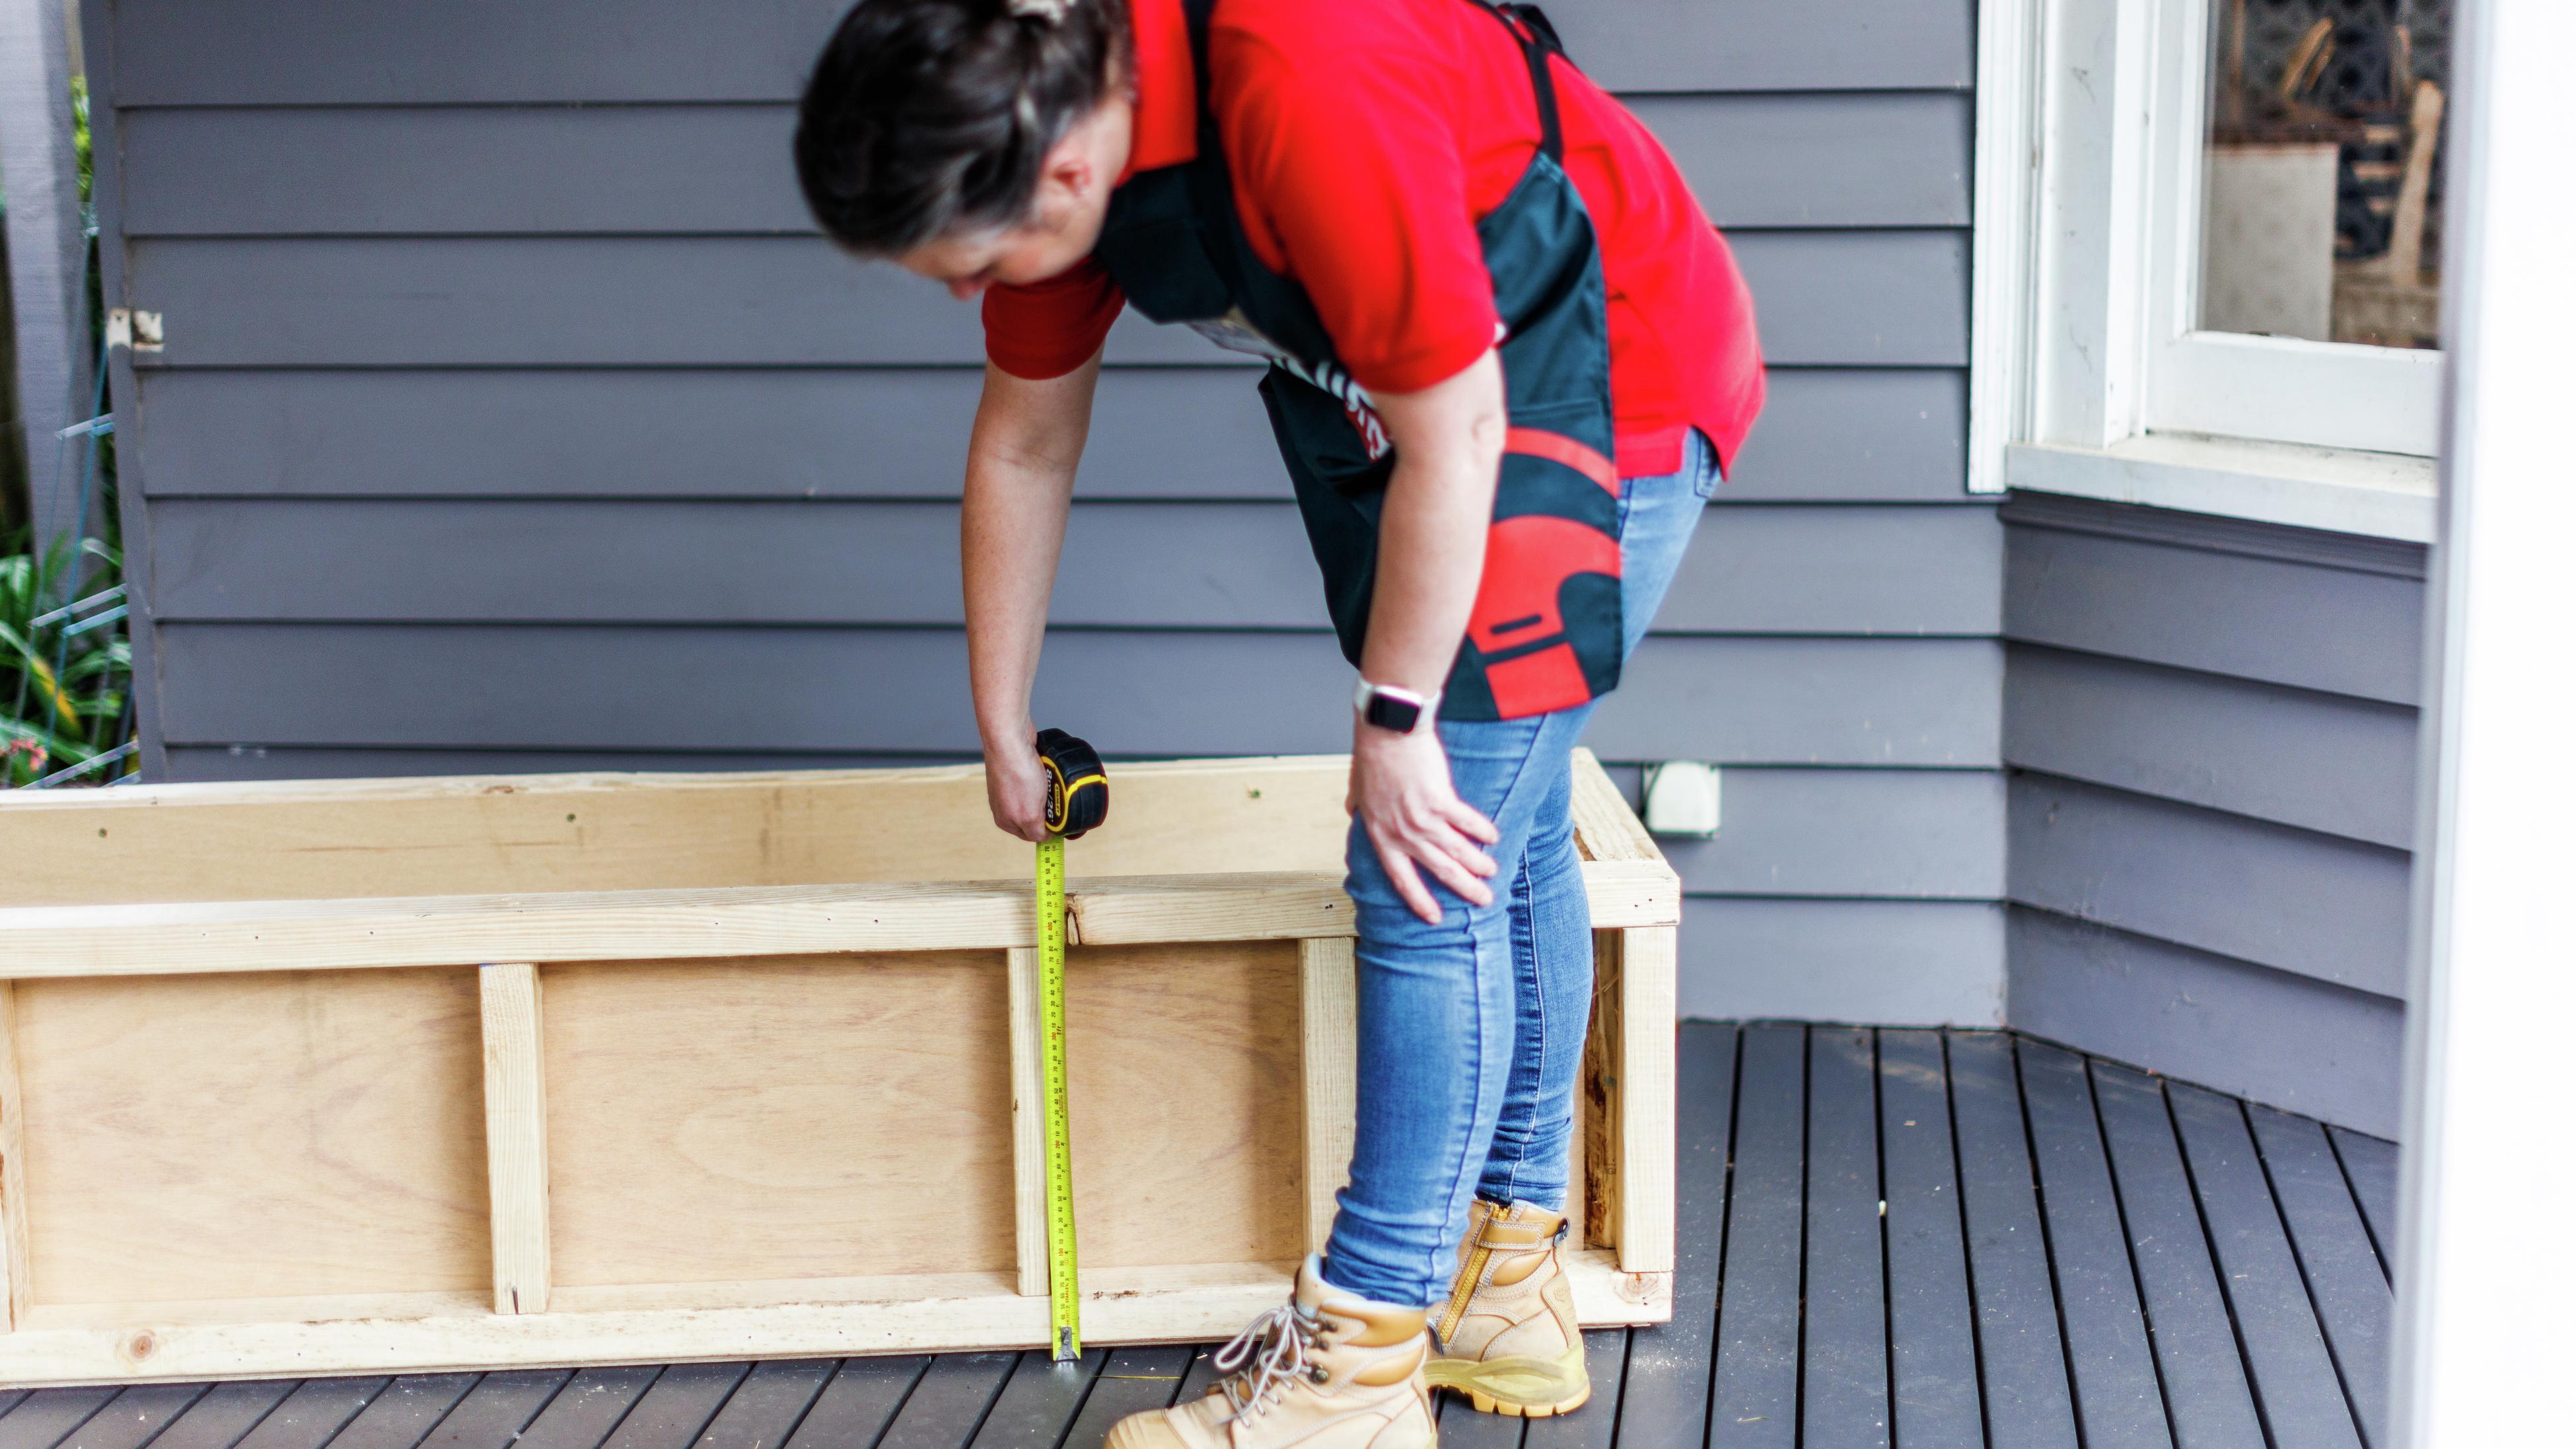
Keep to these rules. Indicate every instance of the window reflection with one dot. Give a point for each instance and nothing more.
(2321, 208)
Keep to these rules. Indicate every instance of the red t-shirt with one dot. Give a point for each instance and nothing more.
(1367, 137)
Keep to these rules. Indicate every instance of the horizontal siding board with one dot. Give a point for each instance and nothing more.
(2321, 762)
(1861, 435)
(313, 52)
(1844, 158)
(2322, 1050)
(1761, 700)
(2293, 900)
(1784, 570)
(1896, 963)
(1831, 159)
(1886, 298)
(2338, 630)
(1932, 834)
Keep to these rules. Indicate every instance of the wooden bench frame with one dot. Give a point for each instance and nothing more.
(1261, 813)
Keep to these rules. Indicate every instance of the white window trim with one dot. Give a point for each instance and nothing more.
(2086, 188)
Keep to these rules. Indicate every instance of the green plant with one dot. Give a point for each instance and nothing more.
(63, 687)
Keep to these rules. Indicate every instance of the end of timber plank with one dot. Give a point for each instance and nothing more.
(1328, 977)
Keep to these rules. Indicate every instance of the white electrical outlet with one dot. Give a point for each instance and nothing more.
(1682, 798)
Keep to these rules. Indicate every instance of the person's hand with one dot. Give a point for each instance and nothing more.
(1401, 792)
(1015, 785)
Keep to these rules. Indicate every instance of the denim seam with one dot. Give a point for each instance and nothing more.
(1538, 989)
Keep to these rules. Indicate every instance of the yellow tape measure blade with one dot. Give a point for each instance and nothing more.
(1064, 1291)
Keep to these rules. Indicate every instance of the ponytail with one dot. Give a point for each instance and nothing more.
(926, 118)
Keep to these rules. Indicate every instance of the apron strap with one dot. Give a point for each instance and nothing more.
(1537, 40)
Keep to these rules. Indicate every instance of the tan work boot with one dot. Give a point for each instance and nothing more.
(1323, 1371)
(1508, 1339)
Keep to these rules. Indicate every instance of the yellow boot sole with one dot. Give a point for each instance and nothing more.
(1524, 1388)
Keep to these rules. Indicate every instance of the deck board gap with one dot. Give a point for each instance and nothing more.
(2047, 1240)
(2299, 1260)
(2387, 1263)
(2226, 1289)
(1967, 1258)
(2128, 1242)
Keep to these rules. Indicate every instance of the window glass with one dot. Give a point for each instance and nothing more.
(2321, 206)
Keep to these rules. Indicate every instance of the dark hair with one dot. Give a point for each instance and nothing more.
(926, 117)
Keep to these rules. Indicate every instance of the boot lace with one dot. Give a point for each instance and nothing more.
(1268, 1355)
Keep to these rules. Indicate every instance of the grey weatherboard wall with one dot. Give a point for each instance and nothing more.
(2211, 728)
(513, 418)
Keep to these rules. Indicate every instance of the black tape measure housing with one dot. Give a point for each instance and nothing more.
(1077, 784)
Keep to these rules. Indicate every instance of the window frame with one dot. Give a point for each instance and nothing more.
(2090, 153)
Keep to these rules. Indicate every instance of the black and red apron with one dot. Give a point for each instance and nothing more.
(1545, 633)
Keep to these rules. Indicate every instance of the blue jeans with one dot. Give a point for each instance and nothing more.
(1471, 1031)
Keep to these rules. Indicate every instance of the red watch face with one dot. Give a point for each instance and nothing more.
(1389, 713)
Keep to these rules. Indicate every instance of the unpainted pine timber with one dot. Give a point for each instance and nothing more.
(2370, 1165)
(514, 1135)
(93, 941)
(1600, 1114)
(763, 1128)
(1604, 827)
(1664, 1399)
(1843, 1376)
(480, 835)
(351, 1160)
(1753, 1402)
(2028, 1405)
(2352, 1298)
(952, 1397)
(497, 1409)
(1184, 1067)
(1931, 1328)
(1028, 1118)
(1328, 1030)
(2295, 1383)
(311, 1416)
(856, 1405)
(2205, 1389)
(1647, 1013)
(2116, 1392)
(1038, 1403)
(959, 1312)
(17, 1291)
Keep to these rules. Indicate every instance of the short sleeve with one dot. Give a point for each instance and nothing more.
(1047, 329)
(1355, 174)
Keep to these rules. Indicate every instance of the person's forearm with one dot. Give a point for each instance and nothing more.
(1019, 486)
(1431, 534)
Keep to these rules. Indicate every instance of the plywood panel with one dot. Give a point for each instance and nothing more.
(814, 1117)
(254, 1136)
(1187, 1104)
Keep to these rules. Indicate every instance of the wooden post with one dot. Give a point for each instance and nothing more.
(514, 1135)
(15, 1290)
(1647, 962)
(48, 258)
(1328, 982)
(1028, 1121)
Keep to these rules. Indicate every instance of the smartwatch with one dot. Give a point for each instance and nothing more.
(1391, 708)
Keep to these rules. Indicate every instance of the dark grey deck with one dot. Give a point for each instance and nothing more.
(2011, 1244)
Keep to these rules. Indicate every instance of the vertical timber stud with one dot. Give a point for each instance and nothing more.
(1597, 1151)
(13, 1170)
(1328, 988)
(514, 1136)
(1028, 1122)
(1648, 958)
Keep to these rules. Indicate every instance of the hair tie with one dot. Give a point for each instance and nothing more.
(1050, 11)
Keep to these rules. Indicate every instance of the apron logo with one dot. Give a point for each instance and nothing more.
(1235, 333)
